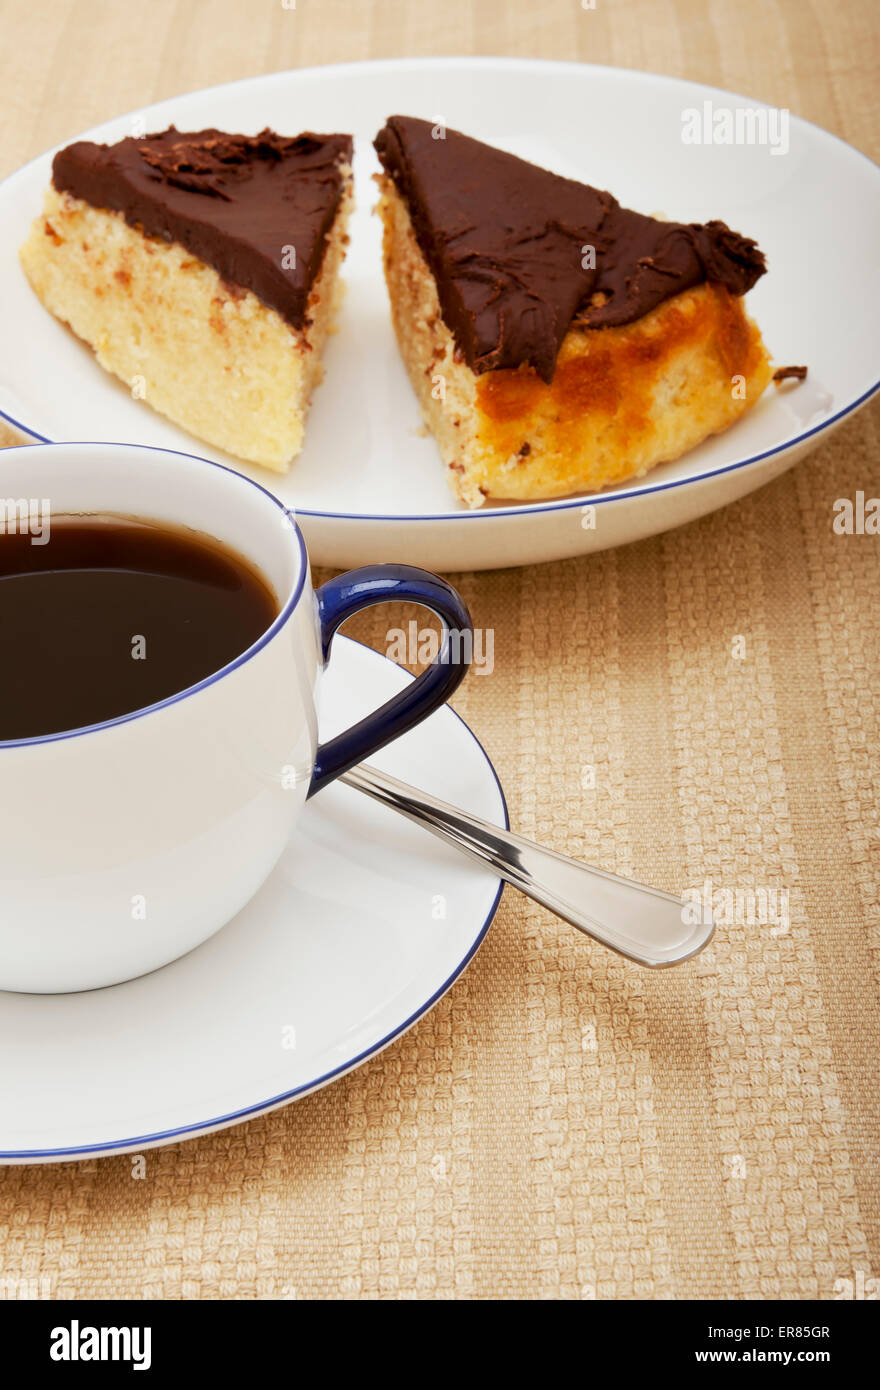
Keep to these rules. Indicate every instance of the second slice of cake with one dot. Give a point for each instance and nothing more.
(203, 269)
(557, 342)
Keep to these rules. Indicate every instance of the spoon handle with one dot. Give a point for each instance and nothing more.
(644, 924)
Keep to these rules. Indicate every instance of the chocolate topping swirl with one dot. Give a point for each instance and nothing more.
(521, 255)
(256, 208)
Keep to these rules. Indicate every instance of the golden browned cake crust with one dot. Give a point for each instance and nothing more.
(208, 355)
(622, 399)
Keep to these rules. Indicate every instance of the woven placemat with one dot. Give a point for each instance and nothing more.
(698, 710)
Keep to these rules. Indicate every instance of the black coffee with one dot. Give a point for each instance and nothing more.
(112, 614)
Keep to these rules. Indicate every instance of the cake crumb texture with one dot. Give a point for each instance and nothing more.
(210, 356)
(622, 400)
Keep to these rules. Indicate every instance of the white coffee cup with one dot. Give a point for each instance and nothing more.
(126, 844)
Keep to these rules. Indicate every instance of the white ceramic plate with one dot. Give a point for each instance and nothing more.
(363, 926)
(368, 486)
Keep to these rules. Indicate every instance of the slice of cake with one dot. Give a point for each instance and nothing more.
(557, 342)
(203, 269)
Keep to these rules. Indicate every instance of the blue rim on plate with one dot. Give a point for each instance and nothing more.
(219, 1122)
(518, 65)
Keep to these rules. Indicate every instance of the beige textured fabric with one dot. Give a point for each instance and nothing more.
(604, 1131)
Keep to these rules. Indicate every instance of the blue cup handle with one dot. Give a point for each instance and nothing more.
(337, 600)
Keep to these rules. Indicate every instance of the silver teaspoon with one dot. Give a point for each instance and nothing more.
(645, 924)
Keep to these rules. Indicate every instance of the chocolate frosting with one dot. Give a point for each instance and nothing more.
(506, 243)
(234, 201)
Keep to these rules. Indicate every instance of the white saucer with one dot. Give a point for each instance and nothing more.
(369, 486)
(364, 925)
